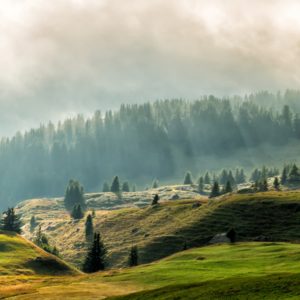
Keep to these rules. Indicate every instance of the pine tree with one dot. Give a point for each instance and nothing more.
(134, 188)
(133, 257)
(125, 187)
(89, 228)
(188, 178)
(115, 186)
(215, 191)
(105, 188)
(33, 223)
(231, 234)
(223, 177)
(276, 183)
(207, 178)
(155, 200)
(74, 195)
(155, 184)
(228, 188)
(77, 212)
(294, 176)
(284, 176)
(93, 213)
(95, 258)
(263, 185)
(10, 221)
(201, 185)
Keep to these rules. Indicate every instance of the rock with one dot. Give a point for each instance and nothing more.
(220, 238)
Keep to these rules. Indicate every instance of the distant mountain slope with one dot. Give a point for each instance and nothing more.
(20, 257)
(163, 230)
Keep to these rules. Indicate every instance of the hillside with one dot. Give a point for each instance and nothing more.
(20, 257)
(242, 271)
(163, 230)
(251, 270)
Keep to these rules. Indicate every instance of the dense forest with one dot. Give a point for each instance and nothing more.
(141, 142)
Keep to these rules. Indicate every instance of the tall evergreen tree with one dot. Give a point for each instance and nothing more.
(95, 258)
(215, 191)
(155, 184)
(89, 227)
(276, 183)
(228, 188)
(33, 223)
(74, 195)
(284, 175)
(115, 186)
(188, 178)
(207, 178)
(125, 187)
(133, 258)
(201, 184)
(294, 176)
(10, 221)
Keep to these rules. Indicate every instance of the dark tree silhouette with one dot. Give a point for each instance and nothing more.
(10, 221)
(115, 186)
(74, 195)
(89, 228)
(95, 258)
(188, 178)
(215, 191)
(155, 200)
(133, 258)
(231, 234)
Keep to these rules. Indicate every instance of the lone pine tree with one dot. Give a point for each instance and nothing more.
(10, 221)
(155, 200)
(133, 259)
(276, 183)
(33, 223)
(125, 187)
(89, 227)
(95, 258)
(188, 178)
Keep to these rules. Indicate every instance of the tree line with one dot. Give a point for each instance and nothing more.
(138, 142)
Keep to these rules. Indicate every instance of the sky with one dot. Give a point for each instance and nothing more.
(63, 57)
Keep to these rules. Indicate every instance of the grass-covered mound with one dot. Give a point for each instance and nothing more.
(20, 257)
(241, 271)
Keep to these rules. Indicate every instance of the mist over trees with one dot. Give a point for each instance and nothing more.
(140, 141)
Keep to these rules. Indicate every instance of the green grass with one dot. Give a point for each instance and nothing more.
(248, 270)
(20, 257)
(241, 271)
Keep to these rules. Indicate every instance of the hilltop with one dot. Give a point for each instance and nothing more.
(21, 257)
(162, 230)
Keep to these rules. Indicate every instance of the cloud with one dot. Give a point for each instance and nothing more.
(63, 57)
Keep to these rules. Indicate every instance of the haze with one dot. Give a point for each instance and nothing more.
(64, 57)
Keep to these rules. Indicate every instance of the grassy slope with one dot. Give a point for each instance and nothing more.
(251, 270)
(20, 257)
(161, 231)
(242, 271)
